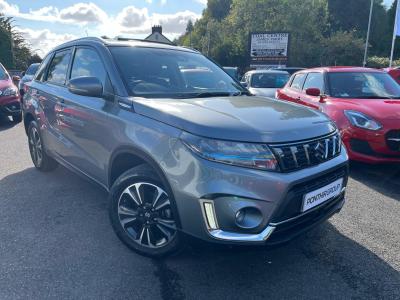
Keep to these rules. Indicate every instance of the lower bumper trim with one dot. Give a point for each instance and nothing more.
(242, 237)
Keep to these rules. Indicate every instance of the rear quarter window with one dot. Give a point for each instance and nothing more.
(297, 82)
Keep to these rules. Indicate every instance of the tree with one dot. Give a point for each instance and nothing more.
(218, 9)
(189, 26)
(15, 52)
(322, 32)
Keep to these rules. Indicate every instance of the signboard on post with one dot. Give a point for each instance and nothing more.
(268, 49)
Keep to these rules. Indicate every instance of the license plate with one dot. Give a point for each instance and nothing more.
(321, 195)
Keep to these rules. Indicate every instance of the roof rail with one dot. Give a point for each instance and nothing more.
(120, 38)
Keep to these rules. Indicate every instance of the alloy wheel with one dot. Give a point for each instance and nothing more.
(35, 147)
(145, 214)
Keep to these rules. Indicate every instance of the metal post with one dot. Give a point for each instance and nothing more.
(394, 35)
(209, 35)
(369, 28)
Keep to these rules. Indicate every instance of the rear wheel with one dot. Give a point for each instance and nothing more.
(40, 159)
(141, 213)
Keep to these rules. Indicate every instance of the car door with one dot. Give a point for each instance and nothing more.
(293, 91)
(52, 83)
(83, 119)
(313, 80)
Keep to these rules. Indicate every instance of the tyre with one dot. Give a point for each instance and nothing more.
(142, 213)
(17, 119)
(40, 159)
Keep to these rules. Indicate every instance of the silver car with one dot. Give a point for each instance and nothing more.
(181, 155)
(264, 83)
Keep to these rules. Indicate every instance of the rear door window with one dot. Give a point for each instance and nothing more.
(40, 74)
(59, 66)
(297, 82)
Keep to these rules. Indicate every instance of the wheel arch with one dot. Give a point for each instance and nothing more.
(134, 158)
(28, 118)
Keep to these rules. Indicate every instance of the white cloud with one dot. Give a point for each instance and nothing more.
(175, 23)
(204, 2)
(132, 17)
(83, 13)
(42, 41)
(130, 20)
(8, 9)
(163, 2)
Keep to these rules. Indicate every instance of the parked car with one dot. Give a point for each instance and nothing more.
(9, 97)
(209, 161)
(363, 102)
(232, 71)
(394, 72)
(265, 82)
(290, 70)
(27, 76)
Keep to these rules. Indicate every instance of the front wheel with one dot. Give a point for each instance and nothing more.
(141, 213)
(40, 159)
(17, 118)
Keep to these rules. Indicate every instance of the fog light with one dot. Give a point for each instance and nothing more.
(210, 215)
(248, 217)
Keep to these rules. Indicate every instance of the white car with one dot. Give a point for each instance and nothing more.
(264, 83)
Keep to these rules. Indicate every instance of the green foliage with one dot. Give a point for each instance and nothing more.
(218, 9)
(381, 62)
(15, 53)
(323, 32)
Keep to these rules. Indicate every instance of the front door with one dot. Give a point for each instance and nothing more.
(313, 80)
(85, 119)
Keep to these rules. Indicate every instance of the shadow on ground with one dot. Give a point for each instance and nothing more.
(384, 178)
(6, 123)
(55, 228)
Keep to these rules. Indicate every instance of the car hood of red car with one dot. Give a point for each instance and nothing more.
(387, 109)
(5, 83)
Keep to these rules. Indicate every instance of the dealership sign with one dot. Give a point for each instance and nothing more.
(269, 48)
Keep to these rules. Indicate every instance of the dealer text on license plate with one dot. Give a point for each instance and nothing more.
(321, 195)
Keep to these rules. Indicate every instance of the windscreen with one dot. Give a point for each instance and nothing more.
(3, 74)
(362, 85)
(154, 72)
(268, 80)
(32, 69)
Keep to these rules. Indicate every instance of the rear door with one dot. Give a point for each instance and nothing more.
(293, 91)
(85, 119)
(313, 80)
(52, 83)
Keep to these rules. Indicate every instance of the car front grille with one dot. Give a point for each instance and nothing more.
(393, 140)
(296, 156)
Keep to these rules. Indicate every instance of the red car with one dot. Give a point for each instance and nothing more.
(394, 72)
(9, 97)
(363, 102)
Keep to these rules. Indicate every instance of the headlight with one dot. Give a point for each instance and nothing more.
(257, 156)
(10, 91)
(361, 120)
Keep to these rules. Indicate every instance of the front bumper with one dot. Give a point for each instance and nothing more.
(278, 196)
(10, 106)
(373, 147)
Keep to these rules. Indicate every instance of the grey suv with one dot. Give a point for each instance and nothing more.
(179, 154)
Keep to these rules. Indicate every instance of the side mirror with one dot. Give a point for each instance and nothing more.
(313, 92)
(244, 83)
(86, 86)
(23, 73)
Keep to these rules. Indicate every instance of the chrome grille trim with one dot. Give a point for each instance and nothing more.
(300, 155)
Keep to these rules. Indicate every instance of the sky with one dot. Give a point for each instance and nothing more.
(46, 23)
